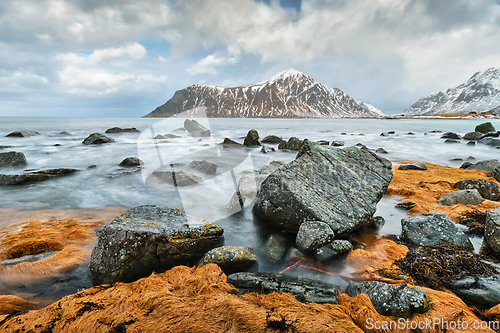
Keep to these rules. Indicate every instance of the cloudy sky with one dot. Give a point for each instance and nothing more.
(123, 58)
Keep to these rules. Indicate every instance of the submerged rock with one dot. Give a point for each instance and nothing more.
(176, 178)
(413, 166)
(12, 158)
(228, 143)
(21, 134)
(432, 229)
(149, 238)
(204, 166)
(96, 139)
(266, 149)
(34, 176)
(122, 130)
(231, 259)
(196, 129)
(252, 139)
(340, 187)
(485, 128)
(493, 142)
(466, 197)
(488, 190)
(292, 144)
(276, 246)
(304, 290)
(391, 300)
(130, 162)
(492, 230)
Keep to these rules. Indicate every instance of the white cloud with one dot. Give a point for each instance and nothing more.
(211, 63)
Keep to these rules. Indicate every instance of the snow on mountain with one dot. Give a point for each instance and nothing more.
(480, 93)
(288, 94)
(369, 107)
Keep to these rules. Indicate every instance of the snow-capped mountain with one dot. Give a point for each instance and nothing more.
(480, 93)
(288, 94)
(369, 107)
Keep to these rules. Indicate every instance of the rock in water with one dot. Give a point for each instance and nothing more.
(431, 229)
(340, 187)
(34, 176)
(492, 230)
(21, 134)
(313, 235)
(413, 166)
(149, 238)
(196, 129)
(473, 136)
(204, 166)
(486, 165)
(96, 139)
(130, 162)
(12, 158)
(485, 128)
(292, 144)
(231, 259)
(122, 130)
(450, 135)
(391, 300)
(252, 139)
(488, 190)
(272, 139)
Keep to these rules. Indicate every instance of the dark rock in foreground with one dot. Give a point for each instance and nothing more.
(483, 292)
(292, 144)
(97, 139)
(12, 158)
(149, 238)
(122, 130)
(466, 197)
(486, 165)
(304, 290)
(130, 162)
(340, 187)
(432, 229)
(492, 230)
(485, 128)
(488, 190)
(391, 300)
(231, 259)
(21, 134)
(495, 173)
(413, 166)
(34, 176)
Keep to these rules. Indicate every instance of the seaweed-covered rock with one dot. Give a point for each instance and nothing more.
(432, 229)
(252, 139)
(97, 139)
(272, 139)
(340, 187)
(391, 300)
(34, 176)
(413, 166)
(466, 197)
(21, 134)
(492, 229)
(488, 190)
(12, 158)
(313, 235)
(149, 238)
(485, 128)
(305, 290)
(204, 166)
(130, 162)
(231, 259)
(292, 144)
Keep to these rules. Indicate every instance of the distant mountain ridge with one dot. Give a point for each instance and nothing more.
(288, 94)
(479, 94)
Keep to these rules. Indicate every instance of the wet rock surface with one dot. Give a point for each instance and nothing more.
(391, 300)
(304, 290)
(272, 139)
(130, 162)
(432, 229)
(486, 165)
(340, 187)
(313, 235)
(466, 197)
(292, 144)
(492, 230)
(96, 139)
(413, 166)
(204, 166)
(488, 190)
(332, 249)
(485, 128)
(21, 134)
(231, 259)
(196, 129)
(122, 130)
(12, 158)
(252, 139)
(34, 176)
(149, 238)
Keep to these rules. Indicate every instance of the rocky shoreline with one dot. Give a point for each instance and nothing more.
(323, 204)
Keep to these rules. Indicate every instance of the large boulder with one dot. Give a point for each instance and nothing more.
(196, 129)
(485, 128)
(149, 238)
(486, 165)
(12, 158)
(340, 187)
(252, 139)
(492, 229)
(432, 229)
(34, 176)
(97, 139)
(21, 134)
(391, 300)
(465, 197)
(231, 259)
(488, 190)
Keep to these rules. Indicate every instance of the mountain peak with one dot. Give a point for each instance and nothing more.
(283, 75)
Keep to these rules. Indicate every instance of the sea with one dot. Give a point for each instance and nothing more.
(102, 183)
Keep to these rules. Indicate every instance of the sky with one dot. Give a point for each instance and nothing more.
(123, 58)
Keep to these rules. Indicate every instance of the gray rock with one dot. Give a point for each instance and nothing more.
(276, 246)
(410, 133)
(431, 229)
(228, 143)
(451, 141)
(338, 143)
(171, 136)
(196, 129)
(292, 144)
(149, 238)
(475, 136)
(466, 197)
(204, 166)
(130, 162)
(332, 249)
(122, 130)
(405, 205)
(96, 139)
(305, 290)
(323, 142)
(381, 151)
(465, 165)
(34, 176)
(266, 149)
(485, 128)
(482, 292)
(413, 166)
(471, 143)
(494, 143)
(340, 187)
(391, 300)
(64, 133)
(231, 259)
(451, 135)
(272, 139)
(492, 229)
(160, 137)
(488, 190)
(486, 165)
(12, 158)
(495, 173)
(376, 222)
(313, 235)
(176, 178)
(252, 139)
(21, 134)
(5, 147)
